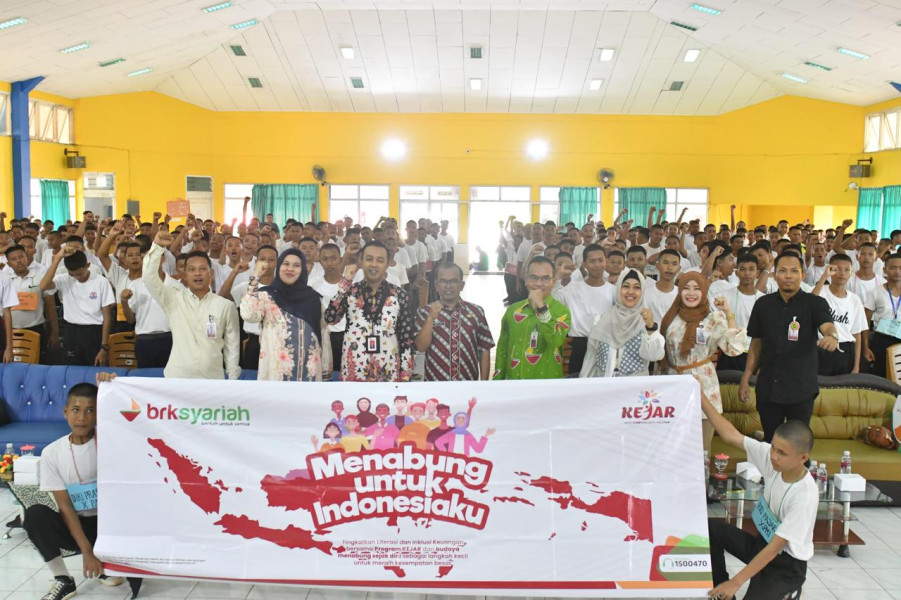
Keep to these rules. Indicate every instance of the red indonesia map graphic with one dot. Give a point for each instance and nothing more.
(298, 491)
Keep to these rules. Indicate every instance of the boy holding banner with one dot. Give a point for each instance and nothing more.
(69, 472)
(784, 515)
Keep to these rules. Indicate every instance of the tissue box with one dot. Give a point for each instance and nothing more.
(25, 478)
(28, 464)
(850, 482)
(746, 470)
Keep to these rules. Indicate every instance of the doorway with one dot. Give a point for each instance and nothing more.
(485, 219)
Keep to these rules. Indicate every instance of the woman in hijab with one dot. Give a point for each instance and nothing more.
(292, 347)
(624, 339)
(694, 332)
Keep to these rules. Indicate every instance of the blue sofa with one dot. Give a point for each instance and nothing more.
(33, 397)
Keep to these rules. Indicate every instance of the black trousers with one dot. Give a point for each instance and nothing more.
(577, 354)
(48, 532)
(337, 339)
(772, 415)
(782, 579)
(836, 363)
(510, 284)
(81, 343)
(879, 343)
(732, 363)
(153, 349)
(250, 358)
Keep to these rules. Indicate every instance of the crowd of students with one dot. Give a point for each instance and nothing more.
(301, 301)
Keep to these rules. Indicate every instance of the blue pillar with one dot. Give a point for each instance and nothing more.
(18, 102)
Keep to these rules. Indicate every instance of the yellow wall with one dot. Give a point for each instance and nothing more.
(785, 158)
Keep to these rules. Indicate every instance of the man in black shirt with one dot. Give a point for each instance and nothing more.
(783, 329)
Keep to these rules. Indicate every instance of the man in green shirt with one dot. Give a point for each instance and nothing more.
(533, 331)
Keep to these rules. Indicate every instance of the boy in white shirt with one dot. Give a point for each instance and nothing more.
(34, 310)
(847, 314)
(741, 298)
(786, 510)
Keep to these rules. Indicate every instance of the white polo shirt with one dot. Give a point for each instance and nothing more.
(585, 303)
(238, 292)
(659, 302)
(149, 315)
(328, 291)
(30, 284)
(83, 302)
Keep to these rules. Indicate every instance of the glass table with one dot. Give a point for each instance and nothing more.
(833, 523)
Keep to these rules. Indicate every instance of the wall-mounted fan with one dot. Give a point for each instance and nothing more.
(319, 174)
(605, 177)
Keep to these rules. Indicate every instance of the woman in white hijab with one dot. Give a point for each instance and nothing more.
(624, 340)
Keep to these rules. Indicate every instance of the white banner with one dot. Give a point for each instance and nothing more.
(578, 487)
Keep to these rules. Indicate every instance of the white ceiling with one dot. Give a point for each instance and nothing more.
(538, 56)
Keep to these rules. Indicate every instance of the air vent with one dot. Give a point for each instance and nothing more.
(818, 66)
(255, 82)
(110, 63)
(475, 52)
(682, 26)
(356, 82)
(238, 51)
(199, 184)
(676, 86)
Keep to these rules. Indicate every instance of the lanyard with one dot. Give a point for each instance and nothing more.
(891, 299)
(782, 502)
(74, 464)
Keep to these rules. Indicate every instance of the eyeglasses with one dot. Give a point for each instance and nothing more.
(448, 282)
(536, 279)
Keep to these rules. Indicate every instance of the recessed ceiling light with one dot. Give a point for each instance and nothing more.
(676, 86)
(13, 23)
(537, 149)
(245, 24)
(238, 50)
(347, 52)
(854, 53)
(394, 149)
(110, 63)
(217, 7)
(606, 54)
(255, 82)
(75, 48)
(706, 9)
(140, 72)
(794, 78)
(357, 82)
(818, 66)
(683, 26)
(475, 52)
(691, 55)
(475, 84)
(595, 84)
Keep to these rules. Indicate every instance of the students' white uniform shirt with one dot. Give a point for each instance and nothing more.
(449, 242)
(522, 253)
(83, 302)
(314, 276)
(585, 303)
(651, 270)
(814, 273)
(434, 248)
(63, 462)
(883, 305)
(238, 292)
(794, 504)
(94, 266)
(659, 302)
(8, 295)
(862, 287)
(392, 276)
(847, 314)
(740, 304)
(402, 259)
(149, 315)
(40, 246)
(221, 273)
(328, 291)
(30, 284)
(120, 279)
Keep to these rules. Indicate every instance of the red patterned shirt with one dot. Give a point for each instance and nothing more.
(459, 335)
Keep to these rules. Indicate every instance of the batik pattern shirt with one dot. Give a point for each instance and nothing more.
(459, 335)
(531, 345)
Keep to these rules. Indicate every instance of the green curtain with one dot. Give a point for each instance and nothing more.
(576, 203)
(638, 201)
(285, 201)
(891, 210)
(55, 200)
(869, 204)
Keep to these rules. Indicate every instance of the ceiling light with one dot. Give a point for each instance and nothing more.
(475, 84)
(12, 23)
(245, 24)
(140, 72)
(347, 52)
(238, 50)
(394, 149)
(537, 149)
(676, 86)
(595, 84)
(255, 82)
(357, 82)
(691, 55)
(853, 53)
(216, 7)
(706, 9)
(75, 48)
(818, 66)
(110, 63)
(794, 78)
(683, 26)
(475, 52)
(606, 54)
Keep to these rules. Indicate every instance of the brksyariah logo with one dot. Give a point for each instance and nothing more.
(131, 415)
(200, 415)
(648, 408)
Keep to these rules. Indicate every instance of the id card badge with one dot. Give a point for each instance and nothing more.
(701, 336)
(211, 329)
(533, 339)
(890, 327)
(794, 328)
(373, 344)
(83, 496)
(764, 519)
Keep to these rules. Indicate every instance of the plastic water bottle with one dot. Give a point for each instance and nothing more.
(813, 469)
(9, 448)
(846, 462)
(822, 478)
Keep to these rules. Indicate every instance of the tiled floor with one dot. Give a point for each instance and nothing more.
(872, 572)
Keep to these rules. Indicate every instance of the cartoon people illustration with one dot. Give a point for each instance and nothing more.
(383, 434)
(459, 440)
(431, 419)
(365, 418)
(332, 442)
(417, 431)
(338, 408)
(354, 441)
(400, 419)
(443, 413)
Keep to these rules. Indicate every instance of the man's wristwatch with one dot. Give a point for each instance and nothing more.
(651, 329)
(541, 309)
(104, 347)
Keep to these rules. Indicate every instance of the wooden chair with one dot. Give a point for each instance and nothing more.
(26, 346)
(893, 363)
(122, 350)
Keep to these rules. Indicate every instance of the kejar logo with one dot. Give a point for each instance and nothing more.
(131, 415)
(648, 409)
(194, 415)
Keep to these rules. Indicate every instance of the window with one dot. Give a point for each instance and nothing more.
(693, 199)
(37, 207)
(4, 114)
(436, 203)
(365, 204)
(50, 122)
(549, 205)
(234, 201)
(882, 131)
